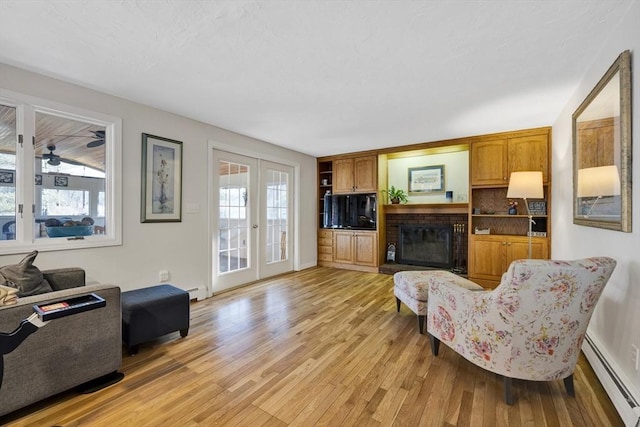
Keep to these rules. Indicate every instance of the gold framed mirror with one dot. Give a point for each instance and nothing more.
(602, 151)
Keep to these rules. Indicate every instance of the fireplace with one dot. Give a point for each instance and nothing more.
(427, 245)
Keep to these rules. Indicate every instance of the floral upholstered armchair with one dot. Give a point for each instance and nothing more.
(530, 327)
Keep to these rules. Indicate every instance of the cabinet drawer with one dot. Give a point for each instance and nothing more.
(325, 234)
(323, 241)
(325, 249)
(325, 257)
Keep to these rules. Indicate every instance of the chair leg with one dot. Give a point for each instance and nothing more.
(398, 304)
(421, 318)
(435, 344)
(508, 392)
(568, 385)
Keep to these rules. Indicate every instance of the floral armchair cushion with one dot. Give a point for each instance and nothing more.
(531, 326)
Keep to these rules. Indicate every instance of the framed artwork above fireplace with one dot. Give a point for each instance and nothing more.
(426, 179)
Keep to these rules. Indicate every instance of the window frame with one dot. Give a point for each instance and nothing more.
(25, 239)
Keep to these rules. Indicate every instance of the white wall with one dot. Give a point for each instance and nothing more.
(182, 248)
(615, 325)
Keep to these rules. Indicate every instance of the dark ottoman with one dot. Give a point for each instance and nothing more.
(149, 313)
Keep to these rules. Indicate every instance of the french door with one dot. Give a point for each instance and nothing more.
(251, 219)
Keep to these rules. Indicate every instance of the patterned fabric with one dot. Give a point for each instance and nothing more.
(531, 326)
(412, 287)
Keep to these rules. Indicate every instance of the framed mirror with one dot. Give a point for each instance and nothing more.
(602, 151)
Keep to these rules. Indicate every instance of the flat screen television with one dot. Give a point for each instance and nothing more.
(355, 211)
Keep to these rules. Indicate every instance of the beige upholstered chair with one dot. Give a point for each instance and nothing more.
(530, 327)
(412, 288)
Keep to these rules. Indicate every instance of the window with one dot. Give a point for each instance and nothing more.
(58, 164)
(64, 203)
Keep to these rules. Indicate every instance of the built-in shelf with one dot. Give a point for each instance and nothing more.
(427, 208)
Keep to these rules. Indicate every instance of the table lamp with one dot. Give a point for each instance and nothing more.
(598, 182)
(526, 185)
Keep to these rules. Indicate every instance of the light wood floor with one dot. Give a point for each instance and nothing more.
(317, 347)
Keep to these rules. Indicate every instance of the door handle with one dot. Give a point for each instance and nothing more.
(255, 226)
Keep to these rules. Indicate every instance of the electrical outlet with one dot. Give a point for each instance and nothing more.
(163, 275)
(635, 356)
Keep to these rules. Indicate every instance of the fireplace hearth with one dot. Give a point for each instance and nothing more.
(460, 238)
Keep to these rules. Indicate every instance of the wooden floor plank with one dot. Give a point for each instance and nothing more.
(321, 347)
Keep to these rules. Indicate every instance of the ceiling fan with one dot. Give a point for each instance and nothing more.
(98, 138)
(55, 160)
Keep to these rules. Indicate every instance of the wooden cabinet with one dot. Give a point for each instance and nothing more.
(488, 162)
(325, 247)
(597, 136)
(343, 247)
(490, 256)
(493, 160)
(355, 247)
(355, 175)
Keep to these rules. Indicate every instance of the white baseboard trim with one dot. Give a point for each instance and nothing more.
(625, 403)
(306, 265)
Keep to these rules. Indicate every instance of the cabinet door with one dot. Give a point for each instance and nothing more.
(596, 135)
(489, 162)
(365, 169)
(486, 257)
(518, 248)
(366, 249)
(343, 176)
(343, 247)
(529, 153)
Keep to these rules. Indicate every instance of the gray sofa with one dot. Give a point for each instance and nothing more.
(65, 352)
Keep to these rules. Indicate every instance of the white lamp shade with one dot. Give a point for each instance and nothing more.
(525, 185)
(598, 181)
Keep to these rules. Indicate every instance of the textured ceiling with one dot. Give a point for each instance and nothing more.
(322, 77)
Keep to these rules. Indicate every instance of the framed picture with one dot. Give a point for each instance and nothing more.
(537, 207)
(426, 179)
(161, 199)
(38, 179)
(6, 177)
(61, 181)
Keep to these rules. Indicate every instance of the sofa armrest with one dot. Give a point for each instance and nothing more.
(452, 302)
(65, 278)
(65, 352)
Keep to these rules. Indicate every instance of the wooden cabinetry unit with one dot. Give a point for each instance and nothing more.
(325, 247)
(493, 160)
(490, 256)
(340, 245)
(355, 247)
(355, 175)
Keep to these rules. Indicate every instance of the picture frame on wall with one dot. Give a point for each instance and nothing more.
(161, 198)
(6, 177)
(537, 207)
(61, 181)
(426, 179)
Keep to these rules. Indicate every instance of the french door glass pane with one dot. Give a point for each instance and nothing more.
(233, 223)
(8, 137)
(276, 204)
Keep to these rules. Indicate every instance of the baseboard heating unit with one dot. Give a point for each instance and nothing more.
(624, 401)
